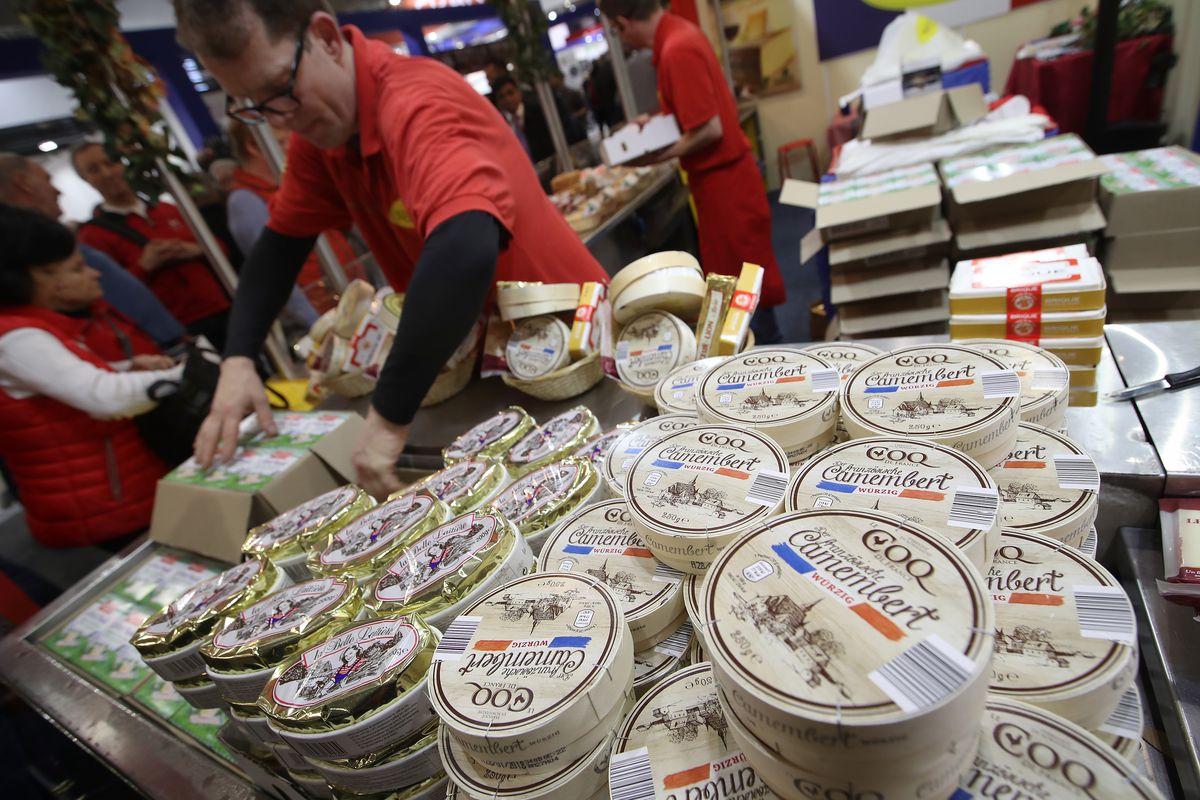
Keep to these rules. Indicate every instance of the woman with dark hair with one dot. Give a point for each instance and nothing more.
(72, 373)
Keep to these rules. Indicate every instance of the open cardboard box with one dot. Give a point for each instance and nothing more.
(897, 311)
(210, 512)
(1178, 248)
(850, 285)
(1151, 190)
(866, 204)
(926, 115)
(1060, 224)
(632, 142)
(892, 246)
(1144, 280)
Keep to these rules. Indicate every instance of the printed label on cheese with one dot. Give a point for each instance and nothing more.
(1032, 496)
(205, 597)
(376, 530)
(537, 346)
(649, 348)
(621, 457)
(454, 482)
(441, 552)
(765, 387)
(306, 516)
(875, 615)
(677, 391)
(348, 661)
(280, 613)
(536, 492)
(706, 480)
(484, 434)
(556, 434)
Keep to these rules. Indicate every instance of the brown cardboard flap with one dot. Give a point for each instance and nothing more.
(1022, 204)
(211, 522)
(922, 114)
(307, 478)
(800, 193)
(1142, 280)
(884, 205)
(1163, 249)
(892, 245)
(967, 103)
(1051, 223)
(847, 286)
(978, 191)
(898, 311)
(337, 447)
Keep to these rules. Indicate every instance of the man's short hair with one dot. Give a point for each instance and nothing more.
(77, 150)
(11, 165)
(630, 9)
(502, 81)
(29, 240)
(221, 28)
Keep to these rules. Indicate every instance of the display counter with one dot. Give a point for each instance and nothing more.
(658, 217)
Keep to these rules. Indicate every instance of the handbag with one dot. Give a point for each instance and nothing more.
(170, 428)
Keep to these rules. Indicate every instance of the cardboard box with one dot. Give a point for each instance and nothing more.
(1177, 248)
(1090, 241)
(1035, 230)
(1143, 280)
(850, 285)
(893, 246)
(210, 512)
(898, 198)
(926, 115)
(1150, 190)
(632, 142)
(898, 311)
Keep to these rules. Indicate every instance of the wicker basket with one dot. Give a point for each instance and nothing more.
(450, 382)
(570, 381)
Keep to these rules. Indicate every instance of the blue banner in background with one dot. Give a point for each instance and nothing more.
(847, 26)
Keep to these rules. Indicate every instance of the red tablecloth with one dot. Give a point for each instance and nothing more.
(1062, 85)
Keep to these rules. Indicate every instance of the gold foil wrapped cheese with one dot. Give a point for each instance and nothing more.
(371, 540)
(536, 502)
(285, 539)
(465, 485)
(491, 438)
(408, 764)
(547, 443)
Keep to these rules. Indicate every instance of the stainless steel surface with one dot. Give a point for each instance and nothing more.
(153, 760)
(664, 178)
(1147, 351)
(620, 69)
(1167, 642)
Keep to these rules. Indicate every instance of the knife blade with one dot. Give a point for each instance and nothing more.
(1167, 383)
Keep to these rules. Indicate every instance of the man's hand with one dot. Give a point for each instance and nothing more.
(149, 363)
(641, 119)
(239, 391)
(375, 457)
(159, 252)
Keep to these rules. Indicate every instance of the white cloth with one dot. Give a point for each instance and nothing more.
(913, 38)
(35, 362)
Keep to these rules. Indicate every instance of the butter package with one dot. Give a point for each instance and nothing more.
(449, 566)
(1030, 327)
(547, 443)
(718, 293)
(369, 541)
(491, 438)
(249, 645)
(360, 690)
(286, 539)
(741, 308)
(465, 485)
(583, 330)
(536, 502)
(170, 640)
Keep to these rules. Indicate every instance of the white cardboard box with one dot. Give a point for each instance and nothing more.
(631, 142)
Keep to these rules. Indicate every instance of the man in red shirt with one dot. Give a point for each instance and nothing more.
(734, 220)
(407, 151)
(155, 244)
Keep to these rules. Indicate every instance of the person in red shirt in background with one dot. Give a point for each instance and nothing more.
(407, 151)
(154, 243)
(733, 217)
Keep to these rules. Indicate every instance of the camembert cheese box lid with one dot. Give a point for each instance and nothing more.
(522, 293)
(552, 650)
(845, 356)
(492, 437)
(652, 346)
(1045, 379)
(537, 347)
(849, 632)
(693, 603)
(543, 497)
(1027, 751)
(293, 531)
(696, 490)
(676, 393)
(601, 541)
(676, 741)
(622, 455)
(1066, 636)
(367, 541)
(1049, 485)
(648, 265)
(927, 484)
(560, 435)
(464, 485)
(950, 394)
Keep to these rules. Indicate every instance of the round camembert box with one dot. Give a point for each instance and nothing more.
(285, 539)
(925, 483)
(846, 634)
(676, 393)
(786, 394)
(1048, 485)
(671, 281)
(540, 499)
(1066, 637)
(465, 485)
(952, 395)
(1025, 752)
(537, 347)
(546, 443)
(846, 357)
(653, 664)
(622, 455)
(491, 438)
(695, 491)
(651, 347)
(1045, 379)
(368, 541)
(532, 667)
(601, 541)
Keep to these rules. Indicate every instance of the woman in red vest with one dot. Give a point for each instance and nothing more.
(72, 373)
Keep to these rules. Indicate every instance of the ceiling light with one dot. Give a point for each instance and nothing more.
(553, 15)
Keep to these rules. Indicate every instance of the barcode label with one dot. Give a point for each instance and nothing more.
(924, 674)
(622, 351)
(1000, 383)
(1055, 379)
(456, 638)
(328, 750)
(666, 574)
(1104, 612)
(630, 776)
(1077, 472)
(1126, 719)
(677, 643)
(826, 380)
(974, 508)
(1088, 548)
(767, 489)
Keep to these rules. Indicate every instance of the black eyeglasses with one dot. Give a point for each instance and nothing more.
(280, 104)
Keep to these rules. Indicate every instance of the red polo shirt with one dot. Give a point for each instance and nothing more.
(429, 147)
(692, 86)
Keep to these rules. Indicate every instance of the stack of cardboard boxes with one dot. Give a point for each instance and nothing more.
(1152, 249)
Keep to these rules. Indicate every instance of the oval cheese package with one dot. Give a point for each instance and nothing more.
(169, 641)
(925, 483)
(286, 538)
(597, 448)
(846, 357)
(436, 574)
(676, 393)
(491, 438)
(693, 604)
(622, 455)
(601, 541)
(696, 490)
(368, 541)
(359, 690)
(781, 392)
(1048, 485)
(538, 346)
(465, 485)
(533, 667)
(251, 643)
(536, 502)
(1027, 752)
(949, 394)
(650, 348)
(1066, 636)
(1045, 379)
(547, 443)
(671, 280)
(849, 635)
